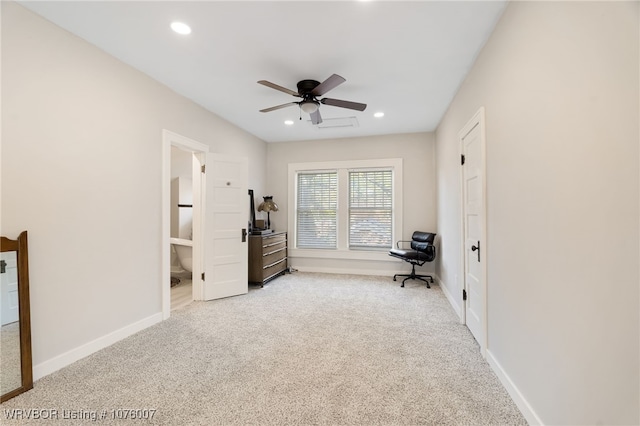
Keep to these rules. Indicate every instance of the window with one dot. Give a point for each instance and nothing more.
(317, 201)
(370, 209)
(345, 209)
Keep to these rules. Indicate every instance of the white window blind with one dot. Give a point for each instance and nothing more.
(317, 203)
(370, 209)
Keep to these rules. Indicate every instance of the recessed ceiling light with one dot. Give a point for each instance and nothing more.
(289, 122)
(378, 114)
(181, 28)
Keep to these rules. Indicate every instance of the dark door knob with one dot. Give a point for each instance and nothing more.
(476, 248)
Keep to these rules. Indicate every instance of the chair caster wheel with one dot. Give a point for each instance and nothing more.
(394, 278)
(402, 285)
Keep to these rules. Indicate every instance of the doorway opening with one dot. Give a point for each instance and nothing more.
(181, 227)
(181, 234)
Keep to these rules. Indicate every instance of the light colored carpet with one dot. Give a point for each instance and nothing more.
(307, 349)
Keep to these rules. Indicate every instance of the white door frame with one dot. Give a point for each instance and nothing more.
(477, 120)
(170, 139)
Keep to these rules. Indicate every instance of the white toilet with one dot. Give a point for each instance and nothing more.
(184, 251)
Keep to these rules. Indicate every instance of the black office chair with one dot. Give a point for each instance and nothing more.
(422, 250)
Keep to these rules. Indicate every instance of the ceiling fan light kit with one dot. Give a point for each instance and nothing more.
(308, 106)
(309, 90)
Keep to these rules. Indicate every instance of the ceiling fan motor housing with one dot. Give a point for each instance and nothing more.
(306, 86)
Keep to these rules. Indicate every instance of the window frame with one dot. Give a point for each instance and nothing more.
(342, 250)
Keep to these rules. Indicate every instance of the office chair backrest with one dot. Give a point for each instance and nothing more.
(421, 240)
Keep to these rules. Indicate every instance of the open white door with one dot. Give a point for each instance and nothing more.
(9, 287)
(225, 226)
(474, 258)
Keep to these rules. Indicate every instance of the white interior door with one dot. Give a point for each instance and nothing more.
(225, 222)
(472, 139)
(9, 287)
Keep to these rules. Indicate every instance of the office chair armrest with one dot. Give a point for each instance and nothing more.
(402, 241)
(431, 251)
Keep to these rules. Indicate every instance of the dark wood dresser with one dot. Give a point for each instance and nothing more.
(267, 256)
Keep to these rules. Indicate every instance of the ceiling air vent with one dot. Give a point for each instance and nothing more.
(334, 123)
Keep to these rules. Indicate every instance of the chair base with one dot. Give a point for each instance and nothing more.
(414, 276)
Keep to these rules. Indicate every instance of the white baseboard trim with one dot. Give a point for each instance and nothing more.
(520, 401)
(47, 367)
(452, 300)
(356, 271)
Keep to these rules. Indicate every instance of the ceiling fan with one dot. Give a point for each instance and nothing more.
(309, 90)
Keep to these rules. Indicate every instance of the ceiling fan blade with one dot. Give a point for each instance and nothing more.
(322, 88)
(278, 107)
(344, 104)
(315, 117)
(280, 88)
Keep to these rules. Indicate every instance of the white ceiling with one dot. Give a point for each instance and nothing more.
(406, 59)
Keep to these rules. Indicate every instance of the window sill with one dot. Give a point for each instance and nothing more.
(341, 254)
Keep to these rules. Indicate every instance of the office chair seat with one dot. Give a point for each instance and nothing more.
(409, 254)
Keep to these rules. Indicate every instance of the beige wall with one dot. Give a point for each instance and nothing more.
(417, 153)
(559, 83)
(181, 163)
(81, 171)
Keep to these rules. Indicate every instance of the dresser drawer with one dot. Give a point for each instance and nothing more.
(274, 256)
(272, 240)
(274, 268)
(274, 247)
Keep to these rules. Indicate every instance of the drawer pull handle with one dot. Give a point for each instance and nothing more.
(274, 263)
(273, 244)
(275, 251)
